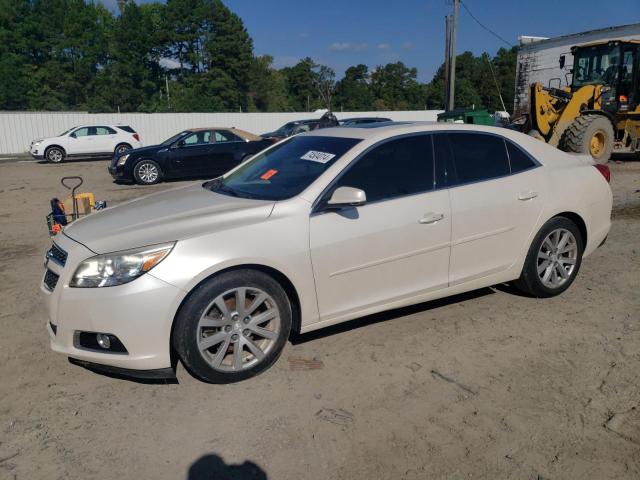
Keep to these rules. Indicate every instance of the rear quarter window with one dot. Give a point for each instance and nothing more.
(126, 128)
(518, 159)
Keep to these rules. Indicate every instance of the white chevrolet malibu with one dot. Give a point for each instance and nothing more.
(318, 229)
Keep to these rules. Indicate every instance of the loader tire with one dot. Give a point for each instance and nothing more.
(589, 134)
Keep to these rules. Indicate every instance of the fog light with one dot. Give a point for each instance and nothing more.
(103, 340)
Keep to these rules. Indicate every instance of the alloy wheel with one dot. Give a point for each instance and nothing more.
(54, 155)
(238, 329)
(557, 258)
(148, 172)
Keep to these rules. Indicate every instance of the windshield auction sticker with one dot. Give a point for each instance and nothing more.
(321, 157)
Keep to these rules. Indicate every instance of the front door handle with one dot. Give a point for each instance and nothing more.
(527, 195)
(430, 218)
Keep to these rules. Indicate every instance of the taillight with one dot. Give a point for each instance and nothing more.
(136, 136)
(604, 170)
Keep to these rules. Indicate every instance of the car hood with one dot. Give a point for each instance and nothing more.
(164, 217)
(136, 151)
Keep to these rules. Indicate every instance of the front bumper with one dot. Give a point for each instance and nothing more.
(115, 171)
(37, 153)
(139, 313)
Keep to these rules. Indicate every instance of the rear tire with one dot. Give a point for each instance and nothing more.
(147, 172)
(54, 154)
(553, 260)
(589, 134)
(233, 326)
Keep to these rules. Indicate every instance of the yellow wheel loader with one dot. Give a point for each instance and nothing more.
(599, 113)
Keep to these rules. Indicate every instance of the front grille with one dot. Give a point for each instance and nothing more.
(58, 255)
(50, 280)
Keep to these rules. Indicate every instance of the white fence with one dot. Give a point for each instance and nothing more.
(18, 129)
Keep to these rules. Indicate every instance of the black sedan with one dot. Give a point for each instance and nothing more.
(195, 153)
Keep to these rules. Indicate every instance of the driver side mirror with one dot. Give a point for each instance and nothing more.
(180, 144)
(73, 135)
(344, 197)
(562, 61)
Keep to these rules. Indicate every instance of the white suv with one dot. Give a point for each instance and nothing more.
(86, 141)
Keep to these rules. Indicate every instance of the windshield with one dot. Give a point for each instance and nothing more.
(284, 170)
(285, 130)
(66, 131)
(596, 65)
(169, 141)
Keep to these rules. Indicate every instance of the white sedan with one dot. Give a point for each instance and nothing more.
(85, 142)
(319, 229)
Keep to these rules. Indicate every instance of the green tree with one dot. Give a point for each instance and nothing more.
(395, 87)
(267, 87)
(353, 91)
(300, 86)
(131, 74)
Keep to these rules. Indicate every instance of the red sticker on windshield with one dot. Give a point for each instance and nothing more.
(268, 174)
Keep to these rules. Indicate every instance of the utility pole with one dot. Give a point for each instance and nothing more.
(447, 58)
(166, 82)
(452, 74)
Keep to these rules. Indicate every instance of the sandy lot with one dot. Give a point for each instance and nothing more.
(484, 385)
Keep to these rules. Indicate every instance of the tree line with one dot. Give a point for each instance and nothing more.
(197, 56)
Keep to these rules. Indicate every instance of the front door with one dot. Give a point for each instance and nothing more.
(395, 246)
(190, 155)
(82, 141)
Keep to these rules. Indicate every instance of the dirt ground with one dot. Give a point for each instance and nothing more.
(484, 385)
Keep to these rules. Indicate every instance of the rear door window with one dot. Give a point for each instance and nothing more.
(478, 156)
(104, 131)
(225, 136)
(394, 169)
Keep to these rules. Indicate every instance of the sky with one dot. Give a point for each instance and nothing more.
(344, 33)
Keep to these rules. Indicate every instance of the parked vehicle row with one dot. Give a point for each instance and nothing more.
(315, 230)
(200, 152)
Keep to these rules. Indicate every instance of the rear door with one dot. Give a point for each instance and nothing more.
(493, 211)
(104, 140)
(226, 152)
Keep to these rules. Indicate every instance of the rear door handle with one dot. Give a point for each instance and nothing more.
(430, 218)
(527, 195)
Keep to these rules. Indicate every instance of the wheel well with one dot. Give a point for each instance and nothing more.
(123, 143)
(54, 146)
(577, 219)
(278, 276)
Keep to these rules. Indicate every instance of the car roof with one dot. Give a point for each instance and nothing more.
(374, 132)
(241, 133)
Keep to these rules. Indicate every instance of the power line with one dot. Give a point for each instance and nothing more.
(464, 5)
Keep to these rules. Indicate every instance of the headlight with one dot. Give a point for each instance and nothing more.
(37, 143)
(122, 159)
(116, 268)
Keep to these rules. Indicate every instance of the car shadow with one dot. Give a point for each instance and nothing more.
(212, 467)
(387, 315)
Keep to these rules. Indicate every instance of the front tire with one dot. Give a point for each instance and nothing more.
(553, 260)
(147, 172)
(233, 326)
(121, 148)
(54, 154)
(590, 134)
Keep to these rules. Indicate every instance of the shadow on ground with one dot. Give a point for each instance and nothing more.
(212, 467)
(391, 315)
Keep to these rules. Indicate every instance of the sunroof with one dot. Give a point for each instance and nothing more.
(377, 124)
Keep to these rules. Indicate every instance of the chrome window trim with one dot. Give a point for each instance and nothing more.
(316, 206)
